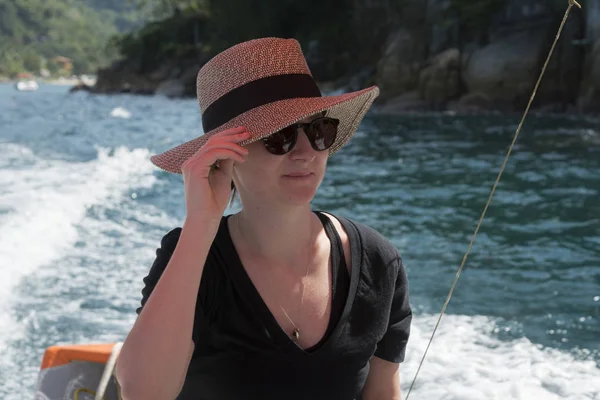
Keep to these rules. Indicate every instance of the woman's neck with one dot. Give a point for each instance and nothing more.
(281, 237)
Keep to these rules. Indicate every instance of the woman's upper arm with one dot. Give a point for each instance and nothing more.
(383, 381)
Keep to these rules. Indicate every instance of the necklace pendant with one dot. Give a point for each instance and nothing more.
(296, 334)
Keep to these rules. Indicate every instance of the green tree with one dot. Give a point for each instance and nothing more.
(162, 9)
(32, 61)
(37, 30)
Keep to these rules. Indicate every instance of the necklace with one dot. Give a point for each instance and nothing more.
(296, 331)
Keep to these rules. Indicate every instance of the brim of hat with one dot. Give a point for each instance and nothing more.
(349, 108)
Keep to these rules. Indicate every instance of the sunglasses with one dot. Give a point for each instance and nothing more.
(321, 134)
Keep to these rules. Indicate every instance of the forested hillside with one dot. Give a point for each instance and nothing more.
(34, 32)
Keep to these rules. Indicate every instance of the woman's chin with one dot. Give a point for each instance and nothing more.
(300, 197)
(300, 191)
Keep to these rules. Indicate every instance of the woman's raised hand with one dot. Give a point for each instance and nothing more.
(207, 174)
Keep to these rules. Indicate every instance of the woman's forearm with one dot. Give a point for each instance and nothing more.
(156, 353)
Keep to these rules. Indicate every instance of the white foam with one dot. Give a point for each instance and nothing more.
(120, 112)
(468, 362)
(43, 205)
(108, 263)
(46, 216)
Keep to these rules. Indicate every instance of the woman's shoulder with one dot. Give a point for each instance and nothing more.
(369, 236)
(373, 244)
(170, 239)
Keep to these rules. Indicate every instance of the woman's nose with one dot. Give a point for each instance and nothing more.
(303, 149)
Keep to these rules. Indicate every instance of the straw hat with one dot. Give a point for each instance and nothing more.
(264, 85)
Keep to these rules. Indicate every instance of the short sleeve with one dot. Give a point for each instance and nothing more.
(392, 347)
(163, 255)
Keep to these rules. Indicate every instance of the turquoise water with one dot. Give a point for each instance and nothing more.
(82, 211)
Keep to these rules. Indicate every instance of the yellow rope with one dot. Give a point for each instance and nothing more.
(85, 390)
(571, 4)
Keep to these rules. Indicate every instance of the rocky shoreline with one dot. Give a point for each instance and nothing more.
(433, 66)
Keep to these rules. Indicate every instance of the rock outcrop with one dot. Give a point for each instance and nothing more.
(434, 55)
(497, 69)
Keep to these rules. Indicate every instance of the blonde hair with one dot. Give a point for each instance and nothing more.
(233, 194)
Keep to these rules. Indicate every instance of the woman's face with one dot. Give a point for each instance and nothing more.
(292, 178)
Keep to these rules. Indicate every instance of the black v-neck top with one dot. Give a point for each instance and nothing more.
(241, 352)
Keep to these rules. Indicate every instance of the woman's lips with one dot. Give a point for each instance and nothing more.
(299, 175)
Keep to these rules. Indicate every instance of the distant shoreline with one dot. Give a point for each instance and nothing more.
(70, 81)
(87, 80)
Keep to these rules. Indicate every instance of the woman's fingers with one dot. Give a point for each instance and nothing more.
(225, 154)
(208, 188)
(230, 134)
(222, 151)
(210, 156)
(225, 145)
(229, 142)
(233, 138)
(231, 131)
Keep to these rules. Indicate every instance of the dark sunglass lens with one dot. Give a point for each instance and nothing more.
(323, 133)
(281, 142)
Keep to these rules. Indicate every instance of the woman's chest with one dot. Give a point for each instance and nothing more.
(304, 300)
(299, 302)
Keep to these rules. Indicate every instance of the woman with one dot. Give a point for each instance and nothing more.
(276, 301)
